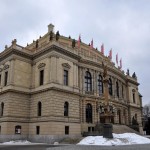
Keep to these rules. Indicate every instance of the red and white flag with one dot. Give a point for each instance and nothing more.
(79, 40)
(91, 44)
(110, 54)
(117, 58)
(121, 63)
(102, 49)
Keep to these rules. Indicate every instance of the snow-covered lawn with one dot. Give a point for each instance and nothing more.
(119, 139)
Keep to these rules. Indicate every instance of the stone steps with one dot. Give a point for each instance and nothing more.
(123, 129)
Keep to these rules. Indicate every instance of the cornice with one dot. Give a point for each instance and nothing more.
(57, 49)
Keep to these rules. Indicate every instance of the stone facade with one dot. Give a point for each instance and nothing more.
(35, 110)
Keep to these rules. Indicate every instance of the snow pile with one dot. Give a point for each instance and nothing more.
(18, 142)
(119, 139)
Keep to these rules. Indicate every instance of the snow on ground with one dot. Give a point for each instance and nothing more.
(119, 139)
(18, 142)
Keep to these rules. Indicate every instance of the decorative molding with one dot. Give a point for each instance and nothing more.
(41, 65)
(6, 67)
(66, 65)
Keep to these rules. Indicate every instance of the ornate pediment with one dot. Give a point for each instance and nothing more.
(66, 65)
(6, 67)
(41, 65)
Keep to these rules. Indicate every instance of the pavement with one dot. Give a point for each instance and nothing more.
(74, 147)
(82, 147)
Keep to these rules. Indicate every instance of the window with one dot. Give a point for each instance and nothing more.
(65, 77)
(37, 130)
(110, 86)
(17, 129)
(6, 77)
(88, 81)
(135, 116)
(89, 113)
(67, 130)
(100, 85)
(66, 109)
(41, 77)
(39, 108)
(117, 89)
(133, 97)
(2, 109)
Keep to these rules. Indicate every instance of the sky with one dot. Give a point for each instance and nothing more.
(123, 25)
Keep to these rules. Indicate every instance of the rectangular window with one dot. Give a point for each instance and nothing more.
(37, 130)
(92, 129)
(6, 77)
(133, 97)
(41, 77)
(67, 130)
(65, 77)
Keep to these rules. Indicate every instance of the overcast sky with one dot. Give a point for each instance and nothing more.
(123, 25)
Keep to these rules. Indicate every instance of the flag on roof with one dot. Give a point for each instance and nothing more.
(110, 54)
(79, 40)
(91, 44)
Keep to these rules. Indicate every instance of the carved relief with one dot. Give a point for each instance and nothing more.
(41, 65)
(6, 67)
(66, 65)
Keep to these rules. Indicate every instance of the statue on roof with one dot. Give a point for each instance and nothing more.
(134, 75)
(128, 72)
(37, 44)
(57, 35)
(73, 43)
(51, 36)
(14, 42)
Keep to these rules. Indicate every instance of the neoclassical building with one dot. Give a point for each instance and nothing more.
(52, 88)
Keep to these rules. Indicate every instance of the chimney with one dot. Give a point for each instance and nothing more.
(50, 28)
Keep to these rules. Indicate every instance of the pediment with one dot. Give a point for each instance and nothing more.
(66, 65)
(41, 65)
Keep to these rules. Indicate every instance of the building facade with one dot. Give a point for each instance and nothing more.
(52, 88)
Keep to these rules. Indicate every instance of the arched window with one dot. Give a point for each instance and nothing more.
(100, 84)
(110, 86)
(66, 109)
(89, 113)
(117, 89)
(17, 129)
(88, 81)
(39, 108)
(2, 109)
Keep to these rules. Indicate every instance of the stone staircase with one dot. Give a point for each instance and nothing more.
(123, 129)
